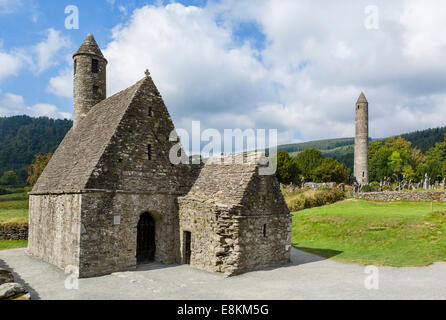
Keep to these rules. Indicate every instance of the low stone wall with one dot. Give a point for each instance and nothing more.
(403, 196)
(14, 231)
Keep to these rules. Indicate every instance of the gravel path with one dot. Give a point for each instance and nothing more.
(307, 277)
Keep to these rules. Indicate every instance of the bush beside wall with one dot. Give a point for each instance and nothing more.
(309, 198)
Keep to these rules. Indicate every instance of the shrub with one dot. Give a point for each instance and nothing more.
(366, 188)
(309, 198)
(8, 190)
(3, 191)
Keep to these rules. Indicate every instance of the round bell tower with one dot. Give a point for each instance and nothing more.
(90, 78)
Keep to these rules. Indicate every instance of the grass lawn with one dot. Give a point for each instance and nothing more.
(7, 197)
(14, 211)
(396, 234)
(6, 245)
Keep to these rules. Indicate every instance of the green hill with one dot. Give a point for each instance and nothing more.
(327, 144)
(22, 137)
(425, 139)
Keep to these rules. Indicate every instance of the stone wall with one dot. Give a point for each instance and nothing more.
(109, 230)
(54, 231)
(233, 237)
(403, 196)
(214, 233)
(14, 231)
(84, 79)
(264, 241)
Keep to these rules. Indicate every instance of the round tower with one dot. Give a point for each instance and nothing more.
(90, 82)
(361, 169)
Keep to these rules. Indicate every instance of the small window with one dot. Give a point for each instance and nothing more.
(264, 230)
(149, 152)
(95, 89)
(75, 65)
(150, 112)
(95, 66)
(363, 174)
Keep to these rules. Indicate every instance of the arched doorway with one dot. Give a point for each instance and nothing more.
(145, 247)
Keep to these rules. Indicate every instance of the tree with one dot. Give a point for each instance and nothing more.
(331, 170)
(409, 173)
(307, 161)
(394, 158)
(36, 169)
(286, 168)
(378, 161)
(435, 158)
(9, 178)
(396, 164)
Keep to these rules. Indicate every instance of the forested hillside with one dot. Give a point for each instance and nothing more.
(327, 144)
(343, 149)
(22, 137)
(425, 139)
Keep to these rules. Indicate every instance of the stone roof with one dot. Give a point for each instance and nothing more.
(74, 161)
(224, 184)
(89, 46)
(362, 98)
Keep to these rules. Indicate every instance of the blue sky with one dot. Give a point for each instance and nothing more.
(28, 23)
(295, 66)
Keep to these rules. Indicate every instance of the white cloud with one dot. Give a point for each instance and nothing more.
(316, 59)
(62, 84)
(193, 61)
(12, 104)
(9, 65)
(46, 51)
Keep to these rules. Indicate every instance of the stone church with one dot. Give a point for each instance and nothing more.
(110, 198)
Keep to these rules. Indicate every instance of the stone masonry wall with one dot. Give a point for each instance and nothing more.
(214, 236)
(109, 230)
(54, 230)
(125, 163)
(264, 241)
(403, 196)
(234, 238)
(84, 80)
(14, 231)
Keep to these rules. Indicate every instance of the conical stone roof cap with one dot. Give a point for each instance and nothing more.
(90, 46)
(362, 98)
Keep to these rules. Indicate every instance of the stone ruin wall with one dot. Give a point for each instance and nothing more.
(13, 231)
(215, 239)
(403, 196)
(259, 250)
(109, 230)
(231, 240)
(54, 228)
(265, 225)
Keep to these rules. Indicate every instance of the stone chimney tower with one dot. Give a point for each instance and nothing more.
(361, 170)
(89, 78)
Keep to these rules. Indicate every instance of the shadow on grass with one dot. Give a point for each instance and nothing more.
(303, 255)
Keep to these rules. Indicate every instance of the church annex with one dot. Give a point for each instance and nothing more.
(110, 198)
